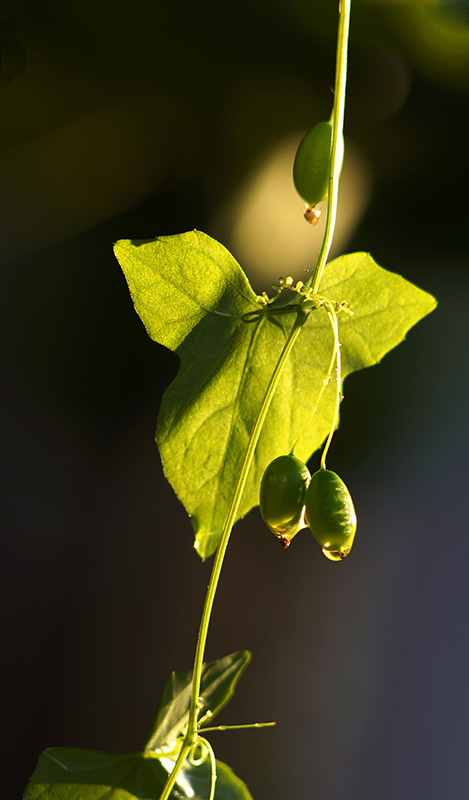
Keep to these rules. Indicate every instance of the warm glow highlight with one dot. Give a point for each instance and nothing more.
(264, 227)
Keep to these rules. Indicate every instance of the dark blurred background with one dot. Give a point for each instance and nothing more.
(133, 120)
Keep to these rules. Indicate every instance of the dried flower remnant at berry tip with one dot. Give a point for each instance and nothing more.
(312, 215)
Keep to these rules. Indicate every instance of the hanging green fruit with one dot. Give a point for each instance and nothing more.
(330, 514)
(282, 496)
(312, 167)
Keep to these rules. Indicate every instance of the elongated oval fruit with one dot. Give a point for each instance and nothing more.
(282, 496)
(312, 164)
(330, 514)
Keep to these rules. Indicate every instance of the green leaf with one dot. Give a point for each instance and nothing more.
(71, 774)
(64, 773)
(176, 281)
(191, 295)
(219, 679)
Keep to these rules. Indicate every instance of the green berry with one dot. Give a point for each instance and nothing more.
(282, 496)
(330, 514)
(311, 168)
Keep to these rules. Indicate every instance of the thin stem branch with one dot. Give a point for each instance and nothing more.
(172, 777)
(337, 357)
(238, 727)
(325, 383)
(337, 134)
(191, 735)
(231, 518)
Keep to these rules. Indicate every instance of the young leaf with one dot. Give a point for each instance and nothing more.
(219, 679)
(64, 773)
(191, 295)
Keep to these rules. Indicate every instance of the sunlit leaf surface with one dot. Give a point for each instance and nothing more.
(191, 295)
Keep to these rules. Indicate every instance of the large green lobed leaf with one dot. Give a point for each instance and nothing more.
(191, 295)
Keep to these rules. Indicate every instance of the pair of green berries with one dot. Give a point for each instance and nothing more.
(291, 499)
(312, 167)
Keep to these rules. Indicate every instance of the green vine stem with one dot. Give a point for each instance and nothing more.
(302, 315)
(191, 735)
(325, 382)
(337, 358)
(238, 727)
(337, 133)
